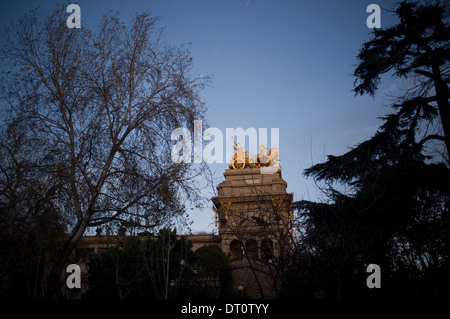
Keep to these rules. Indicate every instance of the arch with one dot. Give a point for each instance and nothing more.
(267, 248)
(251, 248)
(235, 249)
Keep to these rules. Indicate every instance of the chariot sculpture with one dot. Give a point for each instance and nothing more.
(241, 160)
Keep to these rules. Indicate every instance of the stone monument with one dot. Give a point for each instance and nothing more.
(253, 212)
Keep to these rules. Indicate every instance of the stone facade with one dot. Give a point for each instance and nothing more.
(253, 213)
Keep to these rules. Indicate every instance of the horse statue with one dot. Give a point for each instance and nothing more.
(263, 159)
(274, 157)
(240, 159)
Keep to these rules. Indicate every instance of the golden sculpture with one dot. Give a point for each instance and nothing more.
(241, 160)
(215, 216)
(225, 207)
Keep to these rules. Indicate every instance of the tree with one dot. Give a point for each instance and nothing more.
(152, 267)
(417, 48)
(89, 114)
(399, 220)
(396, 211)
(213, 270)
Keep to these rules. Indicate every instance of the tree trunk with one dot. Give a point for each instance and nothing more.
(55, 281)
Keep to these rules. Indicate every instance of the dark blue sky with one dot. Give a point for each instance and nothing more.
(275, 64)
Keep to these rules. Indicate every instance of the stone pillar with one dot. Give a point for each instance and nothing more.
(254, 226)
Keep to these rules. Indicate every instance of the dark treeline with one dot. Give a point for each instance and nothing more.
(395, 212)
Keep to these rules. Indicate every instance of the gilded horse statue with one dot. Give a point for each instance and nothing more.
(241, 160)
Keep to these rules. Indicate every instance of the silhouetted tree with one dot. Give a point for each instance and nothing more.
(415, 49)
(396, 212)
(156, 267)
(213, 271)
(87, 122)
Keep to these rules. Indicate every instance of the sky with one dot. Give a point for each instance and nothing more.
(274, 64)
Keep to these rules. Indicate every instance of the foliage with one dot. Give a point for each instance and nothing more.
(417, 50)
(212, 267)
(161, 267)
(397, 213)
(26, 253)
(87, 117)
